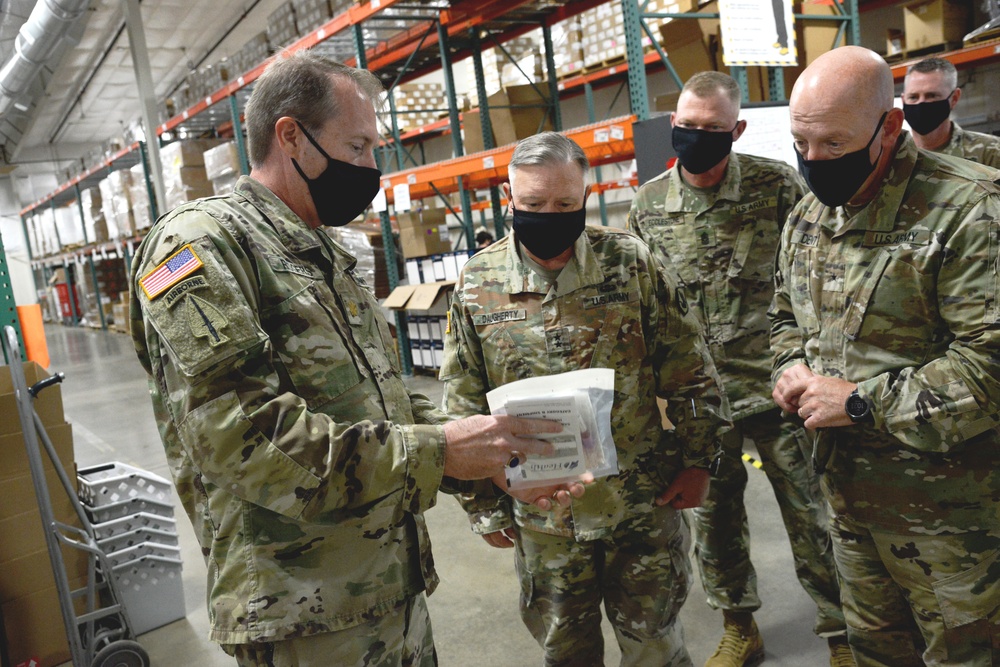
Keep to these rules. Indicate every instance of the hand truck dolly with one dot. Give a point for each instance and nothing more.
(102, 635)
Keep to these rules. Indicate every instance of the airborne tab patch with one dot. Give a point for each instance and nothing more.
(171, 271)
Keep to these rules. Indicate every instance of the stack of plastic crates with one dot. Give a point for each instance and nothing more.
(133, 518)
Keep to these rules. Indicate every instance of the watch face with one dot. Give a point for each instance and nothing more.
(856, 406)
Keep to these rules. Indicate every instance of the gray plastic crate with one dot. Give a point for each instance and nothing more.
(134, 537)
(145, 549)
(129, 508)
(132, 522)
(114, 482)
(152, 591)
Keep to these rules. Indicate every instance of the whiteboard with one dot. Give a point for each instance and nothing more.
(768, 133)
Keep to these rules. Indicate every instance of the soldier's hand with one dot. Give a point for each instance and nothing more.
(688, 489)
(544, 497)
(821, 404)
(502, 539)
(479, 447)
(790, 385)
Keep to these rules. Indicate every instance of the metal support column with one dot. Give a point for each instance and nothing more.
(154, 207)
(598, 176)
(637, 92)
(740, 74)
(550, 67)
(499, 229)
(456, 133)
(388, 244)
(90, 258)
(241, 144)
(776, 84)
(147, 94)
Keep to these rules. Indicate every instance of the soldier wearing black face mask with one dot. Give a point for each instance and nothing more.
(304, 461)
(930, 94)
(714, 220)
(884, 334)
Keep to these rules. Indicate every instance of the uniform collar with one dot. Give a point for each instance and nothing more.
(294, 233)
(583, 269)
(875, 214)
(682, 197)
(955, 142)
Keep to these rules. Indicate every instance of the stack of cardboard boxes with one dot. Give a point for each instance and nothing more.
(93, 215)
(419, 104)
(222, 167)
(516, 112)
(184, 177)
(31, 610)
(116, 203)
(282, 28)
(426, 308)
(139, 197)
(423, 232)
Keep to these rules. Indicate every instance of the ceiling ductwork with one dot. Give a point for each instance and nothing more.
(48, 27)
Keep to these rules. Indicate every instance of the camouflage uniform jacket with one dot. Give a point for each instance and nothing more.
(722, 244)
(975, 146)
(610, 307)
(902, 298)
(287, 428)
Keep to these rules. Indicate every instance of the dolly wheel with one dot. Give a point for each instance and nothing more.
(123, 653)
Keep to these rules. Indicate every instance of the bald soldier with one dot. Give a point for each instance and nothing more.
(930, 93)
(886, 343)
(714, 220)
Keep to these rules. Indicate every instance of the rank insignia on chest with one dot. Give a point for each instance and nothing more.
(171, 271)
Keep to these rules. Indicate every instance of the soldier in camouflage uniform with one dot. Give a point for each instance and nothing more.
(930, 93)
(716, 226)
(303, 462)
(555, 297)
(886, 342)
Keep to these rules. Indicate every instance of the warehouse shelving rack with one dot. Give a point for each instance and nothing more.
(437, 35)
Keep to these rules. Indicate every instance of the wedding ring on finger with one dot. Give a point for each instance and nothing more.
(515, 459)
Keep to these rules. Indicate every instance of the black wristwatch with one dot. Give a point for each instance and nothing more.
(858, 409)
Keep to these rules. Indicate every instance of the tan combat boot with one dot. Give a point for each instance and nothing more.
(741, 645)
(840, 653)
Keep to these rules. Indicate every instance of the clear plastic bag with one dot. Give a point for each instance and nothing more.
(581, 401)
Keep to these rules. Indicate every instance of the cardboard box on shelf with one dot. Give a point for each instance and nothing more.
(933, 22)
(423, 240)
(428, 298)
(816, 37)
(686, 47)
(895, 41)
(517, 112)
(472, 131)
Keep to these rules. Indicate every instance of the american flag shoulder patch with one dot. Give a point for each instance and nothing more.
(169, 272)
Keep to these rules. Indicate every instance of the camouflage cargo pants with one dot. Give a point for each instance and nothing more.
(919, 599)
(642, 573)
(400, 638)
(722, 536)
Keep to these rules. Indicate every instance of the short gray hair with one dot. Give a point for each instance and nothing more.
(299, 86)
(547, 148)
(706, 84)
(928, 65)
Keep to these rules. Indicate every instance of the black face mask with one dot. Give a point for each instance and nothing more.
(925, 117)
(546, 235)
(343, 190)
(700, 150)
(835, 181)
